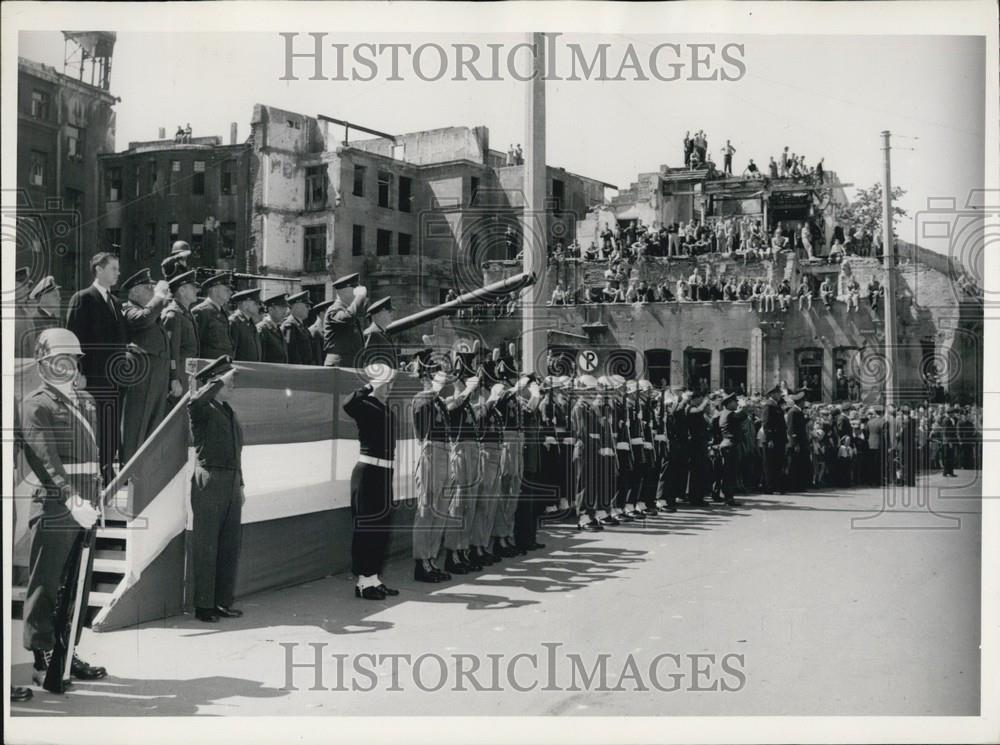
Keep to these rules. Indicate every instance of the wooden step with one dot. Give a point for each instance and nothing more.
(119, 534)
(97, 599)
(110, 565)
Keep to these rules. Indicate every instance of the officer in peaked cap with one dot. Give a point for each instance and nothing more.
(67, 488)
(343, 332)
(731, 433)
(216, 491)
(775, 439)
(211, 318)
(317, 313)
(378, 347)
(297, 337)
(273, 347)
(176, 262)
(145, 401)
(243, 330)
(39, 310)
(182, 331)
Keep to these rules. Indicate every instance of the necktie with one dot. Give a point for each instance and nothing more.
(111, 305)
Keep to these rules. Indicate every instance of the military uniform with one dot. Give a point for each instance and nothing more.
(378, 348)
(216, 497)
(148, 352)
(246, 340)
(298, 342)
(621, 412)
(489, 425)
(731, 433)
(699, 467)
(464, 460)
(775, 437)
(212, 325)
(60, 445)
(182, 334)
(343, 337)
(799, 447)
(371, 481)
(272, 341)
(432, 429)
(511, 468)
(586, 429)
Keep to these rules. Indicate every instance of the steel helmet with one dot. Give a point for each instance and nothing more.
(179, 246)
(52, 342)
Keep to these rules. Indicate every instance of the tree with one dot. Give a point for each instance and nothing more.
(865, 212)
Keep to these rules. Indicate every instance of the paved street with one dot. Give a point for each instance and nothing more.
(829, 617)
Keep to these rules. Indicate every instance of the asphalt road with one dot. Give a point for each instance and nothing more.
(814, 604)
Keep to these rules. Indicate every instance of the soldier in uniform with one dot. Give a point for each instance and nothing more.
(316, 332)
(59, 436)
(273, 347)
(731, 431)
(211, 320)
(343, 336)
(176, 261)
(698, 440)
(38, 311)
(297, 339)
(646, 502)
(608, 459)
(148, 349)
(775, 437)
(661, 450)
(182, 332)
(371, 484)
(621, 410)
(489, 428)
(585, 426)
(511, 458)
(464, 460)
(799, 443)
(432, 430)
(216, 491)
(540, 452)
(243, 328)
(679, 451)
(378, 347)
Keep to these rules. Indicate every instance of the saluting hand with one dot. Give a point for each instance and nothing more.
(162, 289)
(360, 292)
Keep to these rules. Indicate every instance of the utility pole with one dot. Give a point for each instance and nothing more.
(534, 227)
(889, 264)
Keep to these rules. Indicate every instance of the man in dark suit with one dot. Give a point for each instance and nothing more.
(145, 400)
(243, 328)
(775, 438)
(799, 470)
(95, 317)
(216, 492)
(293, 329)
(343, 336)
(182, 332)
(272, 340)
(211, 320)
(907, 448)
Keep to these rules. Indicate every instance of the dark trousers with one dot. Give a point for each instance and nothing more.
(948, 458)
(371, 513)
(108, 400)
(730, 471)
(699, 472)
(727, 166)
(774, 459)
(536, 492)
(626, 477)
(216, 506)
(665, 490)
(56, 544)
(144, 406)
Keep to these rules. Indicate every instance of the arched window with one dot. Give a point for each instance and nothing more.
(698, 368)
(734, 370)
(658, 366)
(809, 370)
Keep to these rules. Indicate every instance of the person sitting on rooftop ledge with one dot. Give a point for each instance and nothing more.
(558, 295)
(836, 252)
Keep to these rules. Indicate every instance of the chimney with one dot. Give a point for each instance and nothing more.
(232, 133)
(163, 133)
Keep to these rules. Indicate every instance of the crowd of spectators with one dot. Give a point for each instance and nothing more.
(787, 165)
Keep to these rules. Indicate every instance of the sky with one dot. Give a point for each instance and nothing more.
(823, 96)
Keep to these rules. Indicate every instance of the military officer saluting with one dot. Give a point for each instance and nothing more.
(176, 262)
(60, 445)
(145, 403)
(216, 491)
(378, 346)
(243, 328)
(343, 337)
(211, 320)
(272, 340)
(316, 332)
(39, 311)
(731, 432)
(775, 437)
(182, 332)
(298, 341)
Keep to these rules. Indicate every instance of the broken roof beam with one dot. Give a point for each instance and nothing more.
(348, 126)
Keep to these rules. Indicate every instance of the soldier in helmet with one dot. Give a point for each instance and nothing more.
(585, 428)
(298, 342)
(59, 435)
(242, 326)
(269, 329)
(343, 335)
(489, 426)
(211, 320)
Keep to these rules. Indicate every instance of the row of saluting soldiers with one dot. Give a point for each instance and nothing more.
(498, 451)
